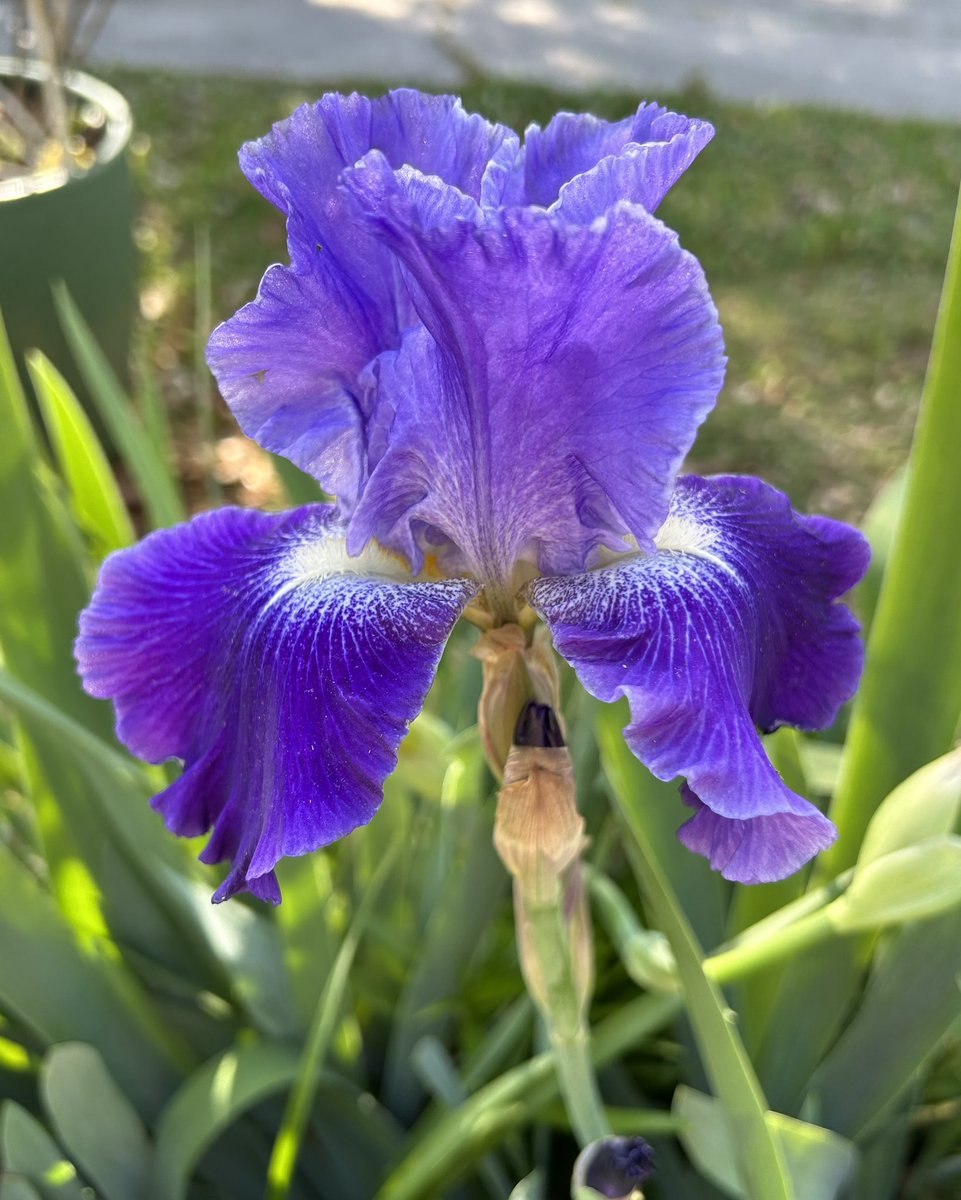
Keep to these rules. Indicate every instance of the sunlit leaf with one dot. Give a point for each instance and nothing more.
(94, 494)
(144, 460)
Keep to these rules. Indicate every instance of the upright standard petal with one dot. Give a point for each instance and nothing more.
(731, 624)
(281, 671)
(582, 165)
(564, 378)
(288, 363)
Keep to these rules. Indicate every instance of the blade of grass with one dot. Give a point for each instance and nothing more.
(144, 460)
(94, 494)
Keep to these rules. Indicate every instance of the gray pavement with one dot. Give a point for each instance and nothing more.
(896, 57)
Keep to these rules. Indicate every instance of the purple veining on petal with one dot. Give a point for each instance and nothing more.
(564, 377)
(289, 363)
(733, 623)
(757, 849)
(439, 284)
(584, 165)
(247, 645)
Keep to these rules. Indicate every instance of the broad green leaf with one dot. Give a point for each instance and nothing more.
(531, 1187)
(42, 563)
(207, 1104)
(819, 1162)
(144, 460)
(821, 762)
(926, 805)
(912, 884)
(62, 991)
(425, 755)
(442, 1080)
(306, 924)
(220, 1092)
(43, 583)
(94, 1121)
(27, 1149)
(761, 1161)
(165, 911)
(152, 408)
(503, 1043)
(94, 494)
(910, 1003)
(816, 995)
(906, 712)
(879, 526)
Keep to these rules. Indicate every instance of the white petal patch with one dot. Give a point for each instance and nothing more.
(326, 555)
(685, 536)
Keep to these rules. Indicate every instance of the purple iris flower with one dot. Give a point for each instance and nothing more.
(496, 357)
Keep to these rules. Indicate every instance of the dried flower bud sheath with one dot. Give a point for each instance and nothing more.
(538, 832)
(516, 671)
(539, 836)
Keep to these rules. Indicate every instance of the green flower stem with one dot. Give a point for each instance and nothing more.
(447, 1146)
(548, 946)
(546, 940)
(578, 1083)
(754, 954)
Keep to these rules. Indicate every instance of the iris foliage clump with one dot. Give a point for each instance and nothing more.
(497, 372)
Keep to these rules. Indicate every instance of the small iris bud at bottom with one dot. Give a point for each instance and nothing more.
(614, 1168)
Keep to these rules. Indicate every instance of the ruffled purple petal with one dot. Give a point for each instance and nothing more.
(583, 165)
(564, 378)
(758, 849)
(251, 647)
(732, 624)
(288, 363)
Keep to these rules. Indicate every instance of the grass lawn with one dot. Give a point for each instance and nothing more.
(823, 235)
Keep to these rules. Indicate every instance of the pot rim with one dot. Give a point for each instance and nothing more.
(87, 87)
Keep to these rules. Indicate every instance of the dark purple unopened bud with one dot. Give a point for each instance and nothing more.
(614, 1167)
(538, 726)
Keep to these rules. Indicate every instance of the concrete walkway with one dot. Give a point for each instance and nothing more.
(899, 57)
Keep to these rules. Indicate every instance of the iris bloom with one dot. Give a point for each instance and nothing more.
(495, 357)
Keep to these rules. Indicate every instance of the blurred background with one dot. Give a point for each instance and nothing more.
(821, 211)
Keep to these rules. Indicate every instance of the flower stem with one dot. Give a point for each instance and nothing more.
(578, 1085)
